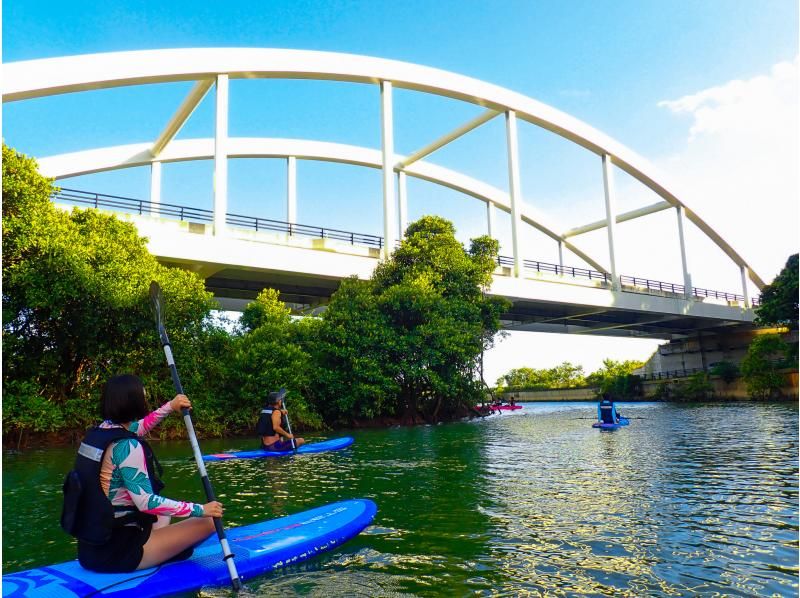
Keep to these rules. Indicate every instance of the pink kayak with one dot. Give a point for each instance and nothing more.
(505, 407)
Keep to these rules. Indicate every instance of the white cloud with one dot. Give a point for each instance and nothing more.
(739, 164)
(738, 169)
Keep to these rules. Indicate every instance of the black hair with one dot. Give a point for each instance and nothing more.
(123, 399)
(273, 397)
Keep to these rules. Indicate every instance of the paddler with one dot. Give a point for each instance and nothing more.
(111, 499)
(606, 410)
(271, 425)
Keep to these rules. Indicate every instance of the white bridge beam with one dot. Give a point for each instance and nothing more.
(624, 217)
(129, 156)
(445, 139)
(182, 114)
(37, 78)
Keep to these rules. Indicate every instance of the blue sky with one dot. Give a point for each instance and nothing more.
(616, 65)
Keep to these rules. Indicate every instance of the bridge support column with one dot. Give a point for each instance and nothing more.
(291, 190)
(155, 187)
(687, 278)
(561, 253)
(514, 189)
(745, 272)
(611, 216)
(402, 192)
(490, 219)
(221, 156)
(387, 147)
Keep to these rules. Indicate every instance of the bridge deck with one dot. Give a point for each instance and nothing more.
(307, 263)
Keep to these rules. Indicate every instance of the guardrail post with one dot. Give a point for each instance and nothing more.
(490, 219)
(155, 186)
(687, 278)
(291, 189)
(744, 286)
(611, 216)
(514, 190)
(387, 150)
(221, 156)
(402, 203)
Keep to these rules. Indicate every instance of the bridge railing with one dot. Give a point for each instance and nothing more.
(666, 374)
(189, 214)
(679, 289)
(185, 213)
(556, 269)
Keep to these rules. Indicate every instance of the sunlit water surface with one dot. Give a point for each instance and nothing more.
(687, 500)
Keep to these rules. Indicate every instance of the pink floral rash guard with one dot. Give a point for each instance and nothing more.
(123, 474)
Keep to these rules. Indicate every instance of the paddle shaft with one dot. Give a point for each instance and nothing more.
(289, 427)
(198, 457)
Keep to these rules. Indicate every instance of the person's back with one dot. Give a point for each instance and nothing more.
(606, 411)
(112, 503)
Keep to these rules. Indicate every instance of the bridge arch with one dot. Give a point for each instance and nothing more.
(213, 67)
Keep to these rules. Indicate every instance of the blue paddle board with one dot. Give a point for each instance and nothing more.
(259, 549)
(315, 447)
(623, 421)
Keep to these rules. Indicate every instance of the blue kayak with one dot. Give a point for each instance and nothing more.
(259, 549)
(623, 421)
(314, 447)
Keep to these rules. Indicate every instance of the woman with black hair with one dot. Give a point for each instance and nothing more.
(111, 499)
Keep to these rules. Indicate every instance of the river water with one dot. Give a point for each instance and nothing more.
(690, 499)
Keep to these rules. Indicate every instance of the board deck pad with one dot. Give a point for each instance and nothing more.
(259, 549)
(313, 447)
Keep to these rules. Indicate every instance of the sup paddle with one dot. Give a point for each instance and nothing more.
(288, 424)
(158, 308)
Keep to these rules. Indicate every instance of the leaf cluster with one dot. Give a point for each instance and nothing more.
(778, 305)
(565, 375)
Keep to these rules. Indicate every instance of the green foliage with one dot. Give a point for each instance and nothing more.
(75, 305)
(269, 357)
(76, 311)
(267, 309)
(617, 379)
(565, 375)
(408, 342)
(696, 387)
(663, 391)
(725, 370)
(779, 299)
(760, 367)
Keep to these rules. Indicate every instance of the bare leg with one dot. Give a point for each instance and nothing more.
(299, 441)
(166, 542)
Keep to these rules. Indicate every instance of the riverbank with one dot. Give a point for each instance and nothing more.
(19, 441)
(735, 390)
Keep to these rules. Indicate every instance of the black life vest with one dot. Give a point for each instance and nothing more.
(264, 425)
(87, 512)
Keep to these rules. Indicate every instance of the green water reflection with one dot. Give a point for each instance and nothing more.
(689, 499)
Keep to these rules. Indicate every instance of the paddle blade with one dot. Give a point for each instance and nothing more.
(157, 302)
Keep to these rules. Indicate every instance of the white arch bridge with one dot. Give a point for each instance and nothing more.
(239, 254)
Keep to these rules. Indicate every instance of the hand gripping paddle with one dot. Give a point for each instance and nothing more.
(158, 309)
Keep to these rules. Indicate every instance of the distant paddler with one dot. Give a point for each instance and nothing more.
(273, 423)
(607, 411)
